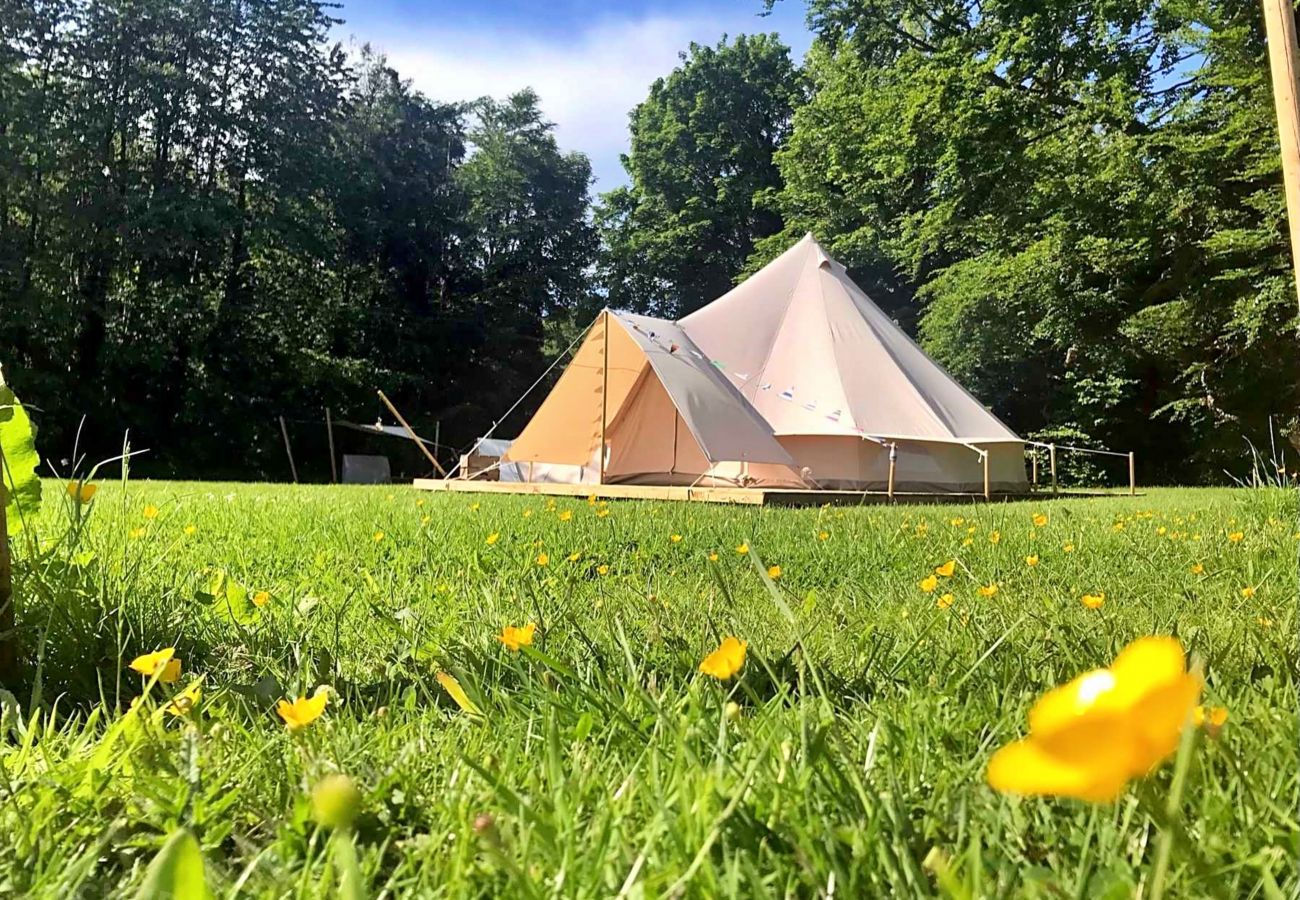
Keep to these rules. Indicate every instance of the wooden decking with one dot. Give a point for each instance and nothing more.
(708, 494)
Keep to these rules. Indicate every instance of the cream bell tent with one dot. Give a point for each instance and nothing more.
(794, 379)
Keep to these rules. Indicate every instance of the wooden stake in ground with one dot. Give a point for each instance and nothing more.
(411, 432)
(1279, 26)
(288, 450)
(8, 651)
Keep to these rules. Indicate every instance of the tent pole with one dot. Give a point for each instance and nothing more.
(604, 389)
(437, 437)
(329, 429)
(987, 495)
(1033, 466)
(893, 460)
(288, 450)
(1132, 475)
(1051, 460)
(411, 432)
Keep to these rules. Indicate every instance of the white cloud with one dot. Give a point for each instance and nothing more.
(588, 83)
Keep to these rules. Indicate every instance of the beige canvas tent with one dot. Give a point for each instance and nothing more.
(792, 379)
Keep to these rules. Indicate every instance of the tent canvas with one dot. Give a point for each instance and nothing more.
(794, 378)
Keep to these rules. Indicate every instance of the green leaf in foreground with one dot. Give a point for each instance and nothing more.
(177, 870)
(20, 489)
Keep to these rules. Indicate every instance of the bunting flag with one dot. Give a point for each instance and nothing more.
(811, 406)
(719, 365)
(835, 415)
(765, 386)
(788, 394)
(741, 375)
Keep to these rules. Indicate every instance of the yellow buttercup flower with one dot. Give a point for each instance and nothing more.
(135, 534)
(1093, 601)
(823, 535)
(1068, 548)
(1198, 569)
(946, 569)
(261, 598)
(185, 702)
(774, 572)
(492, 538)
(150, 512)
(928, 583)
(514, 638)
(995, 537)
(1236, 537)
(1031, 561)
(945, 601)
(162, 663)
(1039, 520)
(1211, 719)
(304, 710)
(989, 590)
(713, 557)
(377, 536)
(566, 515)
(602, 513)
(526, 513)
(742, 549)
(955, 522)
(474, 507)
(1088, 738)
(602, 569)
(456, 692)
(81, 491)
(1248, 591)
(675, 538)
(575, 556)
(727, 660)
(543, 559)
(191, 529)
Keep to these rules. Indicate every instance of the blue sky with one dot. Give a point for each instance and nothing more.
(591, 62)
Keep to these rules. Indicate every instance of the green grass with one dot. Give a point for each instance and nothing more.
(604, 764)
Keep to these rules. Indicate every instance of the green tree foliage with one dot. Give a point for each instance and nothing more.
(702, 155)
(1081, 200)
(210, 216)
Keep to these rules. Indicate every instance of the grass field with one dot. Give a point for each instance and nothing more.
(604, 764)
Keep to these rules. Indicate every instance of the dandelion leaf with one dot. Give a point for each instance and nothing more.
(20, 489)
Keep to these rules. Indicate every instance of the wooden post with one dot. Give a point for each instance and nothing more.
(1132, 475)
(893, 462)
(411, 433)
(1279, 26)
(8, 651)
(329, 429)
(437, 437)
(604, 390)
(1033, 466)
(987, 495)
(1051, 461)
(288, 450)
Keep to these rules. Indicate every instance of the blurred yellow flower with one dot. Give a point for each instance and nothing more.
(378, 536)
(335, 801)
(1211, 719)
(526, 513)
(742, 548)
(514, 638)
(456, 692)
(492, 538)
(945, 601)
(81, 491)
(566, 515)
(162, 663)
(135, 534)
(955, 522)
(474, 507)
(727, 660)
(543, 559)
(1248, 591)
(1094, 601)
(1039, 520)
(989, 590)
(675, 538)
(1263, 621)
(602, 513)
(774, 572)
(602, 569)
(303, 711)
(928, 583)
(184, 702)
(713, 557)
(150, 512)
(575, 556)
(1088, 738)
(1162, 530)
(1236, 537)
(967, 542)
(190, 529)
(1068, 548)
(261, 598)
(994, 537)
(1198, 569)
(946, 569)
(1031, 560)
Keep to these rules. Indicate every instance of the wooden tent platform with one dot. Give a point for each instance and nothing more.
(706, 494)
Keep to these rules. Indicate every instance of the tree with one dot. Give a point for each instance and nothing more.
(701, 159)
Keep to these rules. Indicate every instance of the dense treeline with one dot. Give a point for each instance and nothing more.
(211, 215)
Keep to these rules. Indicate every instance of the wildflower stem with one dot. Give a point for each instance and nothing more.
(1173, 804)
